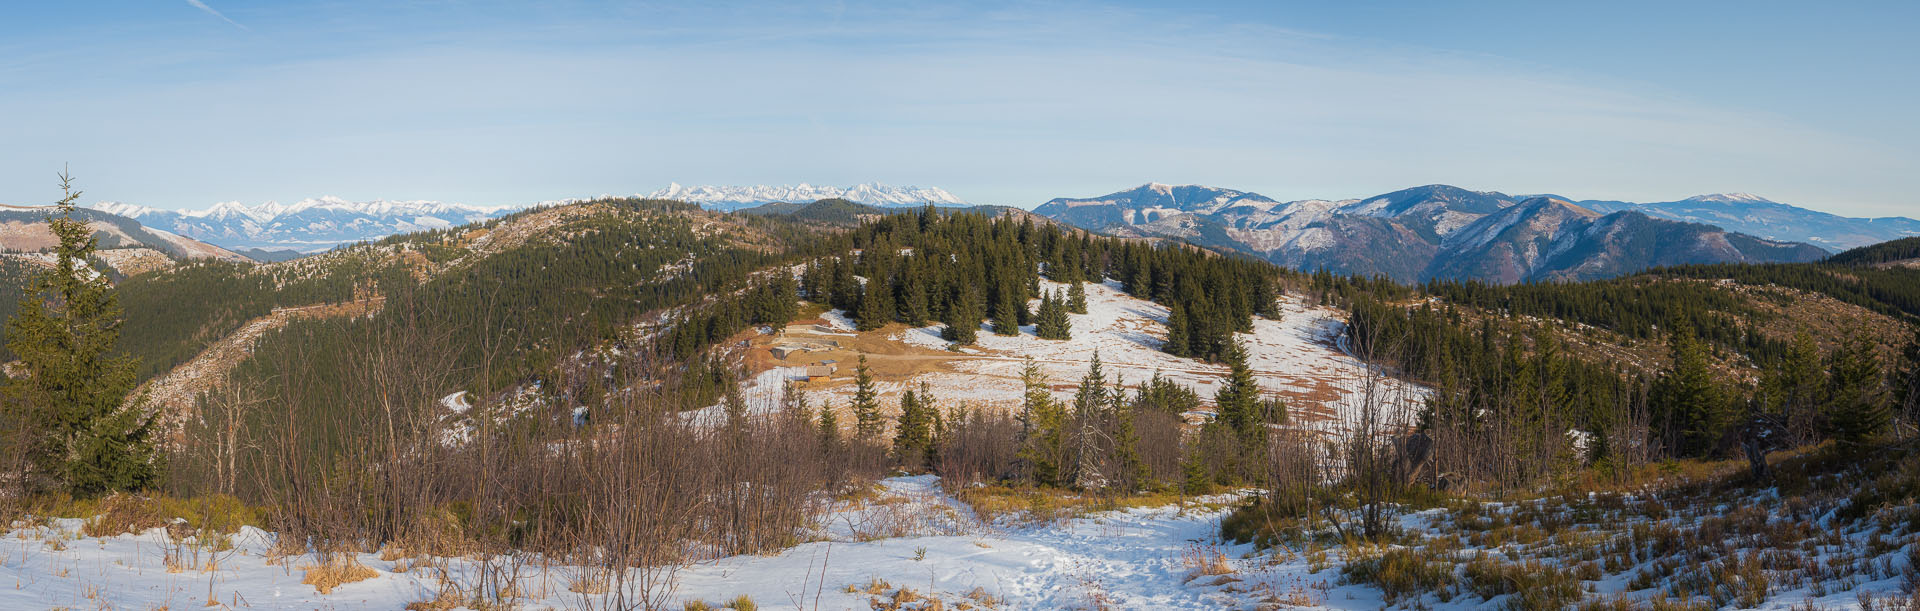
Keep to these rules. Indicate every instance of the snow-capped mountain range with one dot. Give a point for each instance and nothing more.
(1441, 231)
(872, 194)
(316, 224)
(307, 225)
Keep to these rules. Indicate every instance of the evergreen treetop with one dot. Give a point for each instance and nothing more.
(69, 397)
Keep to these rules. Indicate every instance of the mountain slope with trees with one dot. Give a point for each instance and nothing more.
(1434, 231)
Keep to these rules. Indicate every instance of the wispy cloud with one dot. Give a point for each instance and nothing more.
(203, 6)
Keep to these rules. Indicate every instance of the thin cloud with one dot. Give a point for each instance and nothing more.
(203, 6)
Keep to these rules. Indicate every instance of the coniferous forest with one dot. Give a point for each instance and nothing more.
(502, 391)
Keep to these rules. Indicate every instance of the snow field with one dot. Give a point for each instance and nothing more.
(1295, 358)
(909, 534)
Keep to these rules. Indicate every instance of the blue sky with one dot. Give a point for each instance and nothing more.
(173, 103)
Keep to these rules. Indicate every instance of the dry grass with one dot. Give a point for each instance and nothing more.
(336, 571)
(875, 587)
(1685, 535)
(589, 581)
(123, 513)
(906, 598)
(1030, 504)
(1401, 573)
(1204, 561)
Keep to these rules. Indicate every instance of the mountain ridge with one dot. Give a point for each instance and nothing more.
(1433, 231)
(307, 225)
(734, 197)
(23, 229)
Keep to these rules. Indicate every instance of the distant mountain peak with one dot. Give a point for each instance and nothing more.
(132, 211)
(314, 223)
(733, 197)
(1731, 198)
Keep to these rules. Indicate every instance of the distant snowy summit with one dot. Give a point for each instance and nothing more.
(307, 225)
(872, 194)
(316, 224)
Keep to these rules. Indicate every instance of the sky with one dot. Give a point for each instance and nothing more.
(184, 103)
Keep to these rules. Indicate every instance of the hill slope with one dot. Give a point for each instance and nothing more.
(24, 229)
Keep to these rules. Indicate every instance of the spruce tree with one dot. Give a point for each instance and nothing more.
(829, 430)
(72, 389)
(935, 426)
(1194, 478)
(1061, 320)
(1130, 468)
(866, 404)
(1686, 399)
(1163, 394)
(1265, 303)
(1858, 406)
(914, 308)
(1077, 298)
(1008, 309)
(1053, 322)
(1043, 424)
(1792, 387)
(1907, 385)
(874, 312)
(963, 319)
(1177, 341)
(846, 288)
(1238, 401)
(1089, 411)
(913, 433)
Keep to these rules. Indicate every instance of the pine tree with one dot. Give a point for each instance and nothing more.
(1089, 410)
(829, 430)
(1907, 385)
(866, 404)
(914, 308)
(1008, 309)
(1163, 394)
(936, 428)
(963, 319)
(874, 312)
(1060, 318)
(1858, 406)
(72, 389)
(1077, 298)
(1053, 322)
(1266, 304)
(913, 433)
(1210, 335)
(846, 288)
(812, 283)
(1131, 468)
(1792, 388)
(1043, 424)
(1177, 341)
(1195, 480)
(1238, 401)
(1686, 399)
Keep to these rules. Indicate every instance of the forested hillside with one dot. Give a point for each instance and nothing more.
(1894, 251)
(502, 382)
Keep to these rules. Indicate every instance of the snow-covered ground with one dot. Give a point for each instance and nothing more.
(1296, 358)
(910, 534)
(907, 535)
